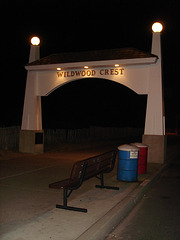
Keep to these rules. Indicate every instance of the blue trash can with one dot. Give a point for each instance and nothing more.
(128, 163)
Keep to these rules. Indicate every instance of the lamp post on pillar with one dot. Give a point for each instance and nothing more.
(154, 133)
(35, 49)
(31, 135)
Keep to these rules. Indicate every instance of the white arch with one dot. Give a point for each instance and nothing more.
(142, 75)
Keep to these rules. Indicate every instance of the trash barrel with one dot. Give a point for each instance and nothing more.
(128, 163)
(142, 163)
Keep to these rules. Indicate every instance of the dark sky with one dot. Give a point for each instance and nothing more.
(65, 26)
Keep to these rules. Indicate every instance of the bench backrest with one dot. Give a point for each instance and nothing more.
(93, 166)
(98, 164)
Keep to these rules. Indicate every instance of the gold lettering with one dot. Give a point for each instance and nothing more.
(93, 72)
(106, 72)
(121, 71)
(72, 73)
(60, 74)
(78, 73)
(88, 73)
(101, 71)
(116, 71)
(68, 74)
(83, 73)
(112, 71)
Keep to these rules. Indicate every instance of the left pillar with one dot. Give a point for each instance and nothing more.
(31, 139)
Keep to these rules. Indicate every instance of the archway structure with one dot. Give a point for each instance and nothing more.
(135, 69)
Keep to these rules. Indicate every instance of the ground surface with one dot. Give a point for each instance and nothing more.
(157, 215)
(27, 205)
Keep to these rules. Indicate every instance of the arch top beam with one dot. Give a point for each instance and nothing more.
(92, 59)
(127, 66)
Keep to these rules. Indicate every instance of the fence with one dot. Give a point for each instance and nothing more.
(9, 137)
(55, 137)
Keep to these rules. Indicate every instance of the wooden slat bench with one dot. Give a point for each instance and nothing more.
(83, 170)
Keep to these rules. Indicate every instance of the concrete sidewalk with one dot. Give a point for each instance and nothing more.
(28, 205)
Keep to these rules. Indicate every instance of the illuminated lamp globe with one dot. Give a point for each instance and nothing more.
(157, 27)
(35, 41)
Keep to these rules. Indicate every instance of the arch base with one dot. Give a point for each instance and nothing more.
(157, 148)
(31, 141)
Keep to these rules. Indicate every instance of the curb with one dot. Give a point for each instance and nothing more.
(100, 229)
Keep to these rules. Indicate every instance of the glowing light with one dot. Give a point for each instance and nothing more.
(35, 41)
(157, 27)
(86, 67)
(116, 65)
(59, 69)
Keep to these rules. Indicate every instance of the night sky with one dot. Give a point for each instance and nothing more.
(66, 26)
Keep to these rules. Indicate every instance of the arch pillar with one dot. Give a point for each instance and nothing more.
(154, 133)
(31, 139)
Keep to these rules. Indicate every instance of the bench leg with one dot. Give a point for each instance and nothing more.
(72, 208)
(64, 206)
(102, 184)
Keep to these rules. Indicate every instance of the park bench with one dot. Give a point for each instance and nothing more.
(83, 170)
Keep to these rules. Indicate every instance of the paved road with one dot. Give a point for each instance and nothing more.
(157, 216)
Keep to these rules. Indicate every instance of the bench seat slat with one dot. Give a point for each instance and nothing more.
(67, 183)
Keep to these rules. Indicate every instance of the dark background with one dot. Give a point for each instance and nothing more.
(65, 26)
